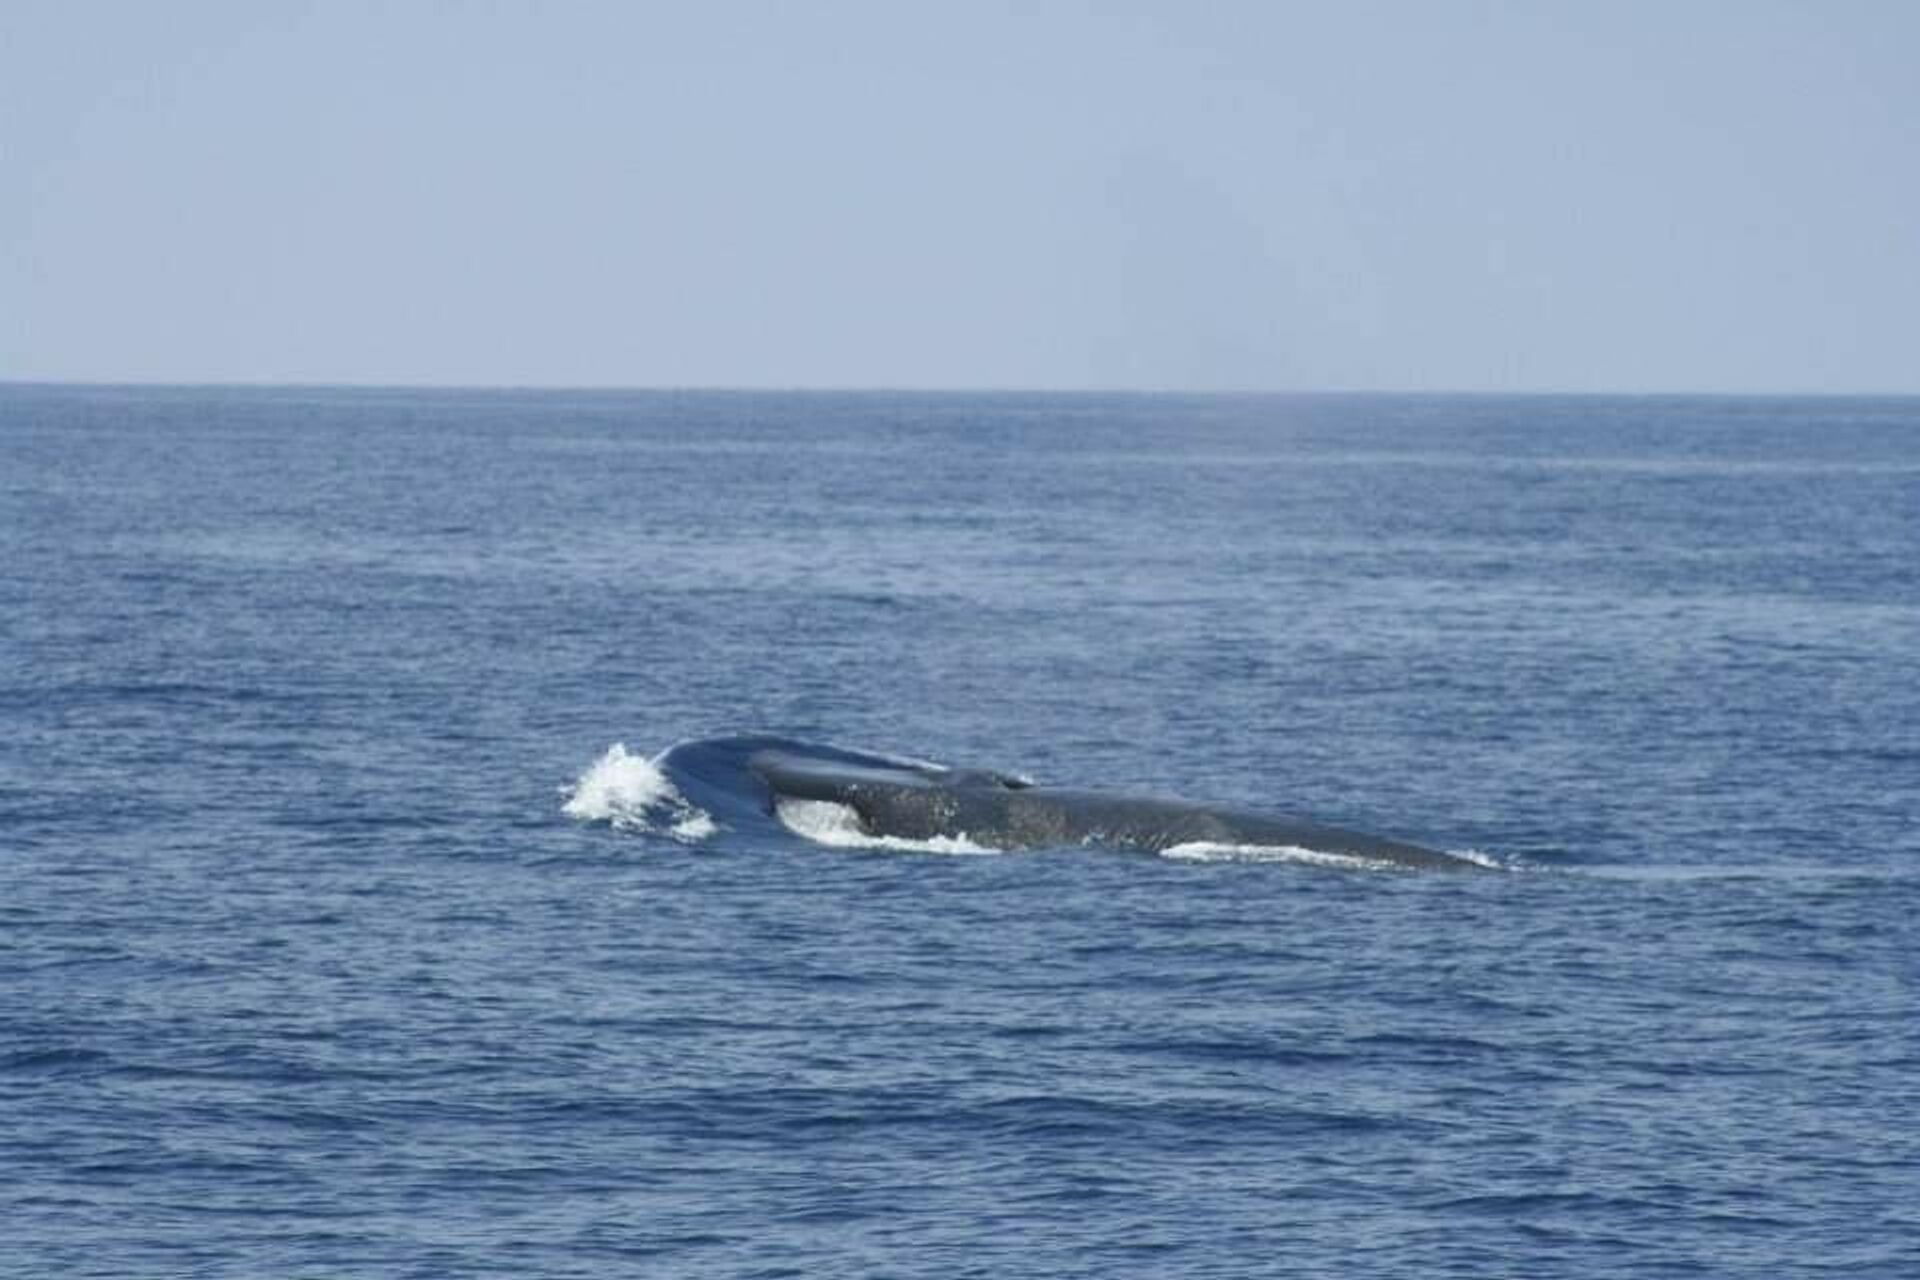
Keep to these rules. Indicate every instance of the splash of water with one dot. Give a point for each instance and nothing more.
(629, 793)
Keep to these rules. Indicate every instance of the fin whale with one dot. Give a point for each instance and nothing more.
(743, 777)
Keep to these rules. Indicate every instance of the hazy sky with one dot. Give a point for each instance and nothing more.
(1529, 196)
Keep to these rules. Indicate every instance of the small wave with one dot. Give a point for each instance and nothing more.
(1660, 873)
(824, 822)
(1217, 851)
(629, 793)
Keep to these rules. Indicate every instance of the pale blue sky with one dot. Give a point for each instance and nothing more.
(1585, 197)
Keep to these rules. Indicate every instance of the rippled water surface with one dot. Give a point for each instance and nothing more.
(338, 939)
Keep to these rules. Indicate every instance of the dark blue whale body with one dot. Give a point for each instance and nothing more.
(745, 778)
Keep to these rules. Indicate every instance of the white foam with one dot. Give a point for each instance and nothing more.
(1212, 851)
(839, 825)
(629, 793)
(693, 826)
(1216, 851)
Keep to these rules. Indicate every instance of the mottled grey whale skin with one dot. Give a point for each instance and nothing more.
(921, 802)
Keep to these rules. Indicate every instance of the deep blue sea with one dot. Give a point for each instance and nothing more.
(349, 928)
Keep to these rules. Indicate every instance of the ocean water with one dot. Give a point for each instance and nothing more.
(349, 927)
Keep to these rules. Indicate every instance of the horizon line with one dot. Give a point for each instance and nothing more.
(903, 389)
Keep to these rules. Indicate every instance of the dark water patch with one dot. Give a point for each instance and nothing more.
(1259, 1052)
(54, 1061)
